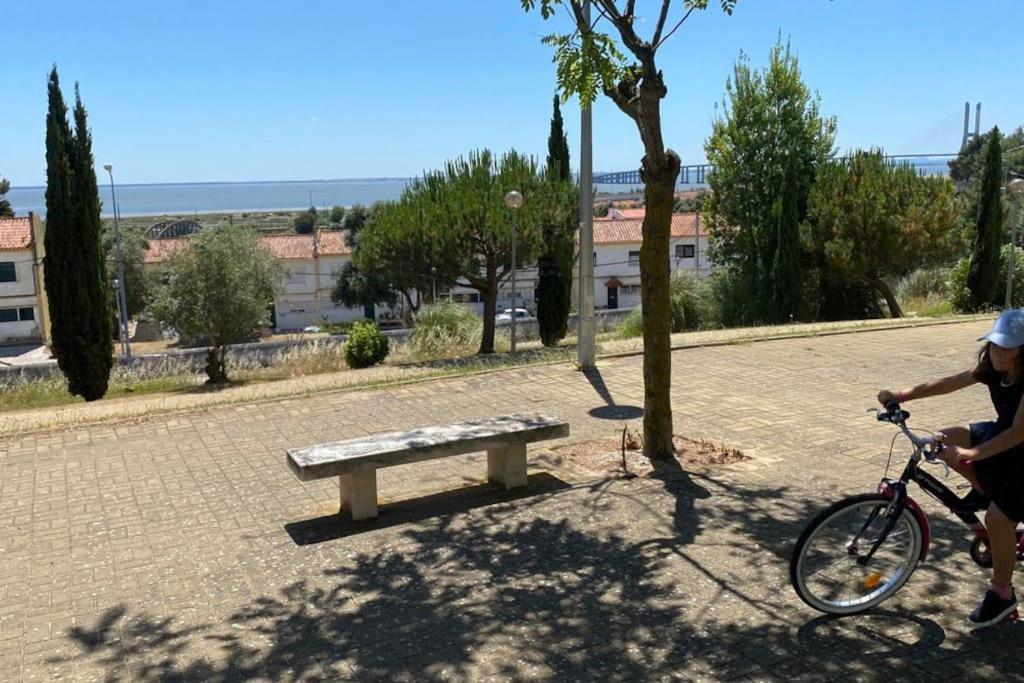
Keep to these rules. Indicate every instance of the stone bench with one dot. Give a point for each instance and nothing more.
(356, 461)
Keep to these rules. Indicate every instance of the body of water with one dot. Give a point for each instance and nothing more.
(177, 199)
(187, 198)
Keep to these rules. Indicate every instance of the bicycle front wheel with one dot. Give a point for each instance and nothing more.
(830, 569)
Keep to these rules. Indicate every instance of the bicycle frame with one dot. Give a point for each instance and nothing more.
(897, 491)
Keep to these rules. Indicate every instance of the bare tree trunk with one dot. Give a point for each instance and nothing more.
(215, 370)
(659, 195)
(886, 291)
(490, 300)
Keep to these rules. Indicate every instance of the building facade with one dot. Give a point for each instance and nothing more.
(24, 310)
(617, 240)
(312, 263)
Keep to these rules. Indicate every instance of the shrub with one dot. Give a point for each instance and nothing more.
(445, 329)
(633, 325)
(924, 283)
(366, 346)
(960, 296)
(690, 302)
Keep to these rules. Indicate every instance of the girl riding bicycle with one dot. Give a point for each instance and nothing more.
(989, 454)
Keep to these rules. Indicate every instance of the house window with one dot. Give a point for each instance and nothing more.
(7, 272)
(629, 290)
(297, 278)
(634, 258)
(26, 314)
(8, 315)
(684, 251)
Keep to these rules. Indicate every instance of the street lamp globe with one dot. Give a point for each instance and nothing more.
(1016, 186)
(513, 200)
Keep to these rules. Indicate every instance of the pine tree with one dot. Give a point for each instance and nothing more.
(787, 278)
(74, 271)
(554, 265)
(982, 277)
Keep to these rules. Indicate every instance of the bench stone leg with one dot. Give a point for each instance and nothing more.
(507, 466)
(359, 494)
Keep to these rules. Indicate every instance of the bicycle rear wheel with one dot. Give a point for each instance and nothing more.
(827, 569)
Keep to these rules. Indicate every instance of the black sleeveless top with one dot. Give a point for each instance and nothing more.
(1006, 400)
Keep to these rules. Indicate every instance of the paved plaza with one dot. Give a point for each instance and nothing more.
(182, 547)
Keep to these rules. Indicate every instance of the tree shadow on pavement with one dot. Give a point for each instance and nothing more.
(677, 574)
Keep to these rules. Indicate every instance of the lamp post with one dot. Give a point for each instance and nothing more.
(586, 345)
(122, 306)
(514, 200)
(1016, 189)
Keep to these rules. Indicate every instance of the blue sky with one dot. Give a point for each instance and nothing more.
(259, 90)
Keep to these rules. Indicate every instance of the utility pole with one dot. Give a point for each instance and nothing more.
(586, 349)
(122, 306)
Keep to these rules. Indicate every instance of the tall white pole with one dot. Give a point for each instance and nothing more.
(514, 309)
(586, 348)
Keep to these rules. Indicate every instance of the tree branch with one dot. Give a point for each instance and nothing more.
(638, 46)
(621, 101)
(657, 43)
(662, 18)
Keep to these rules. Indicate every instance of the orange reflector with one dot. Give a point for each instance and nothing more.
(872, 581)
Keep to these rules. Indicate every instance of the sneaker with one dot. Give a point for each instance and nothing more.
(992, 610)
(975, 501)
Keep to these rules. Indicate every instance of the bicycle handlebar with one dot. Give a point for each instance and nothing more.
(897, 416)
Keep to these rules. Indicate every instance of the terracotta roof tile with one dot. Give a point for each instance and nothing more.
(285, 247)
(332, 243)
(15, 233)
(631, 231)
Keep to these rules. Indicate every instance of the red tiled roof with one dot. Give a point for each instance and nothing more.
(15, 233)
(290, 247)
(631, 231)
(332, 243)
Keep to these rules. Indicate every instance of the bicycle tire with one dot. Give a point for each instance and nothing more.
(890, 581)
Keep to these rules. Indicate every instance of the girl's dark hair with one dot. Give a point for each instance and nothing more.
(984, 372)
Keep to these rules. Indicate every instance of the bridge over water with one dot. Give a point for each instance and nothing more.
(697, 174)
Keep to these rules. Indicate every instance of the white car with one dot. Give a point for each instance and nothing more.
(506, 315)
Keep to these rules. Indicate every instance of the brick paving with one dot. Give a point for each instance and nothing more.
(182, 547)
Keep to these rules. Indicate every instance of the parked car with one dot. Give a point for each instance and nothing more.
(505, 317)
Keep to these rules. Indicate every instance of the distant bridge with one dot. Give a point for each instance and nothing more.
(697, 174)
(172, 228)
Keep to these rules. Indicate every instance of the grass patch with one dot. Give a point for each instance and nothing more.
(928, 306)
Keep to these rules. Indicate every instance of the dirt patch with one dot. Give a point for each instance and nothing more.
(606, 455)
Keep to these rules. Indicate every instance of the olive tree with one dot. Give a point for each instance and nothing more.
(219, 289)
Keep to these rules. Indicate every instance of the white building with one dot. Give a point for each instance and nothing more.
(617, 240)
(312, 262)
(24, 313)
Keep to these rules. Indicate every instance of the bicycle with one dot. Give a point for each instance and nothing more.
(860, 551)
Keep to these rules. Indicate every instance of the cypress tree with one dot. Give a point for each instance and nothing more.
(982, 276)
(787, 277)
(74, 272)
(554, 265)
(558, 146)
